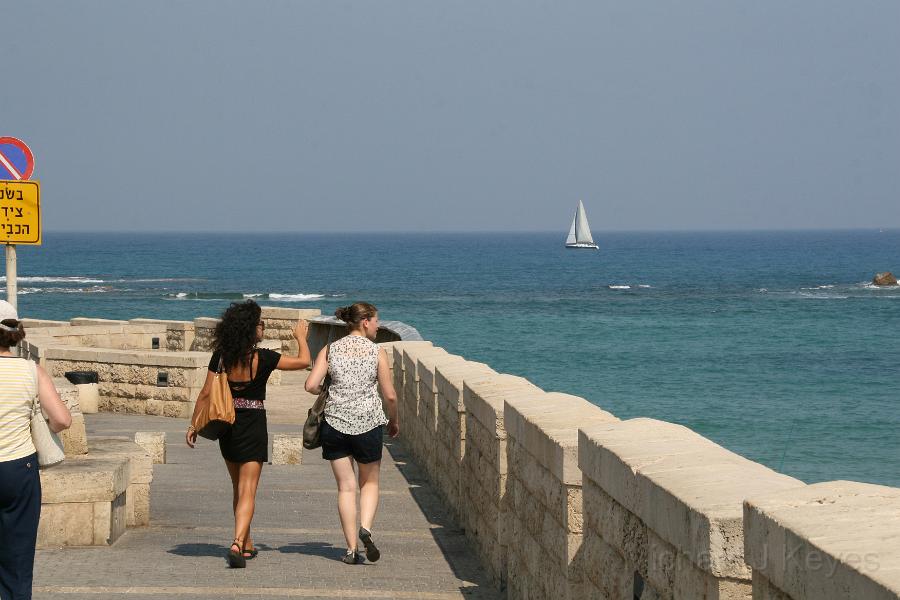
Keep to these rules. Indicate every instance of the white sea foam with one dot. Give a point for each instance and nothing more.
(253, 295)
(95, 289)
(619, 287)
(645, 286)
(43, 279)
(295, 297)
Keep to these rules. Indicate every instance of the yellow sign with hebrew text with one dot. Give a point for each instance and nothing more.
(20, 212)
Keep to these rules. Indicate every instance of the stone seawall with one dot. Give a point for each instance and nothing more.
(559, 498)
(562, 500)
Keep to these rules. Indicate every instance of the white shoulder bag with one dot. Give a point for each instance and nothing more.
(49, 449)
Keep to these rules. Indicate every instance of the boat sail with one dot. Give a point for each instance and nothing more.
(580, 231)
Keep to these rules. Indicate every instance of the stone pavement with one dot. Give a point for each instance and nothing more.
(181, 554)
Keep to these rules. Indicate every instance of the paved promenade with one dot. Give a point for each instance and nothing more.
(181, 554)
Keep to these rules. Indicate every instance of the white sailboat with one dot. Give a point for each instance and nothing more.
(580, 231)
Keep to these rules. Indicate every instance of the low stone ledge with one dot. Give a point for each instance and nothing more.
(74, 439)
(206, 323)
(289, 314)
(168, 324)
(35, 323)
(154, 444)
(139, 474)
(88, 321)
(682, 486)
(826, 541)
(83, 502)
(131, 357)
(287, 449)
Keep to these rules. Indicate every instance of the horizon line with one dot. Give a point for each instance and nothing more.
(462, 231)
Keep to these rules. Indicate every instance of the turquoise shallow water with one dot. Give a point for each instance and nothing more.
(771, 344)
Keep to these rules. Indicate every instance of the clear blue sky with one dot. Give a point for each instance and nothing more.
(424, 115)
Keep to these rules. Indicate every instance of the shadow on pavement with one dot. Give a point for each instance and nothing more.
(448, 535)
(323, 549)
(199, 550)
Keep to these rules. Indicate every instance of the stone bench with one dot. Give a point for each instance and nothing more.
(83, 502)
(138, 475)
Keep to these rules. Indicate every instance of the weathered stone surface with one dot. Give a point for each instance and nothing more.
(84, 480)
(546, 424)
(139, 474)
(74, 439)
(884, 279)
(287, 449)
(289, 314)
(826, 541)
(686, 488)
(154, 444)
(66, 524)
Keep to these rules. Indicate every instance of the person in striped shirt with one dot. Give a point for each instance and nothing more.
(20, 484)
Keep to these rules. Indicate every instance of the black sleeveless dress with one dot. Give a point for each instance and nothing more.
(248, 438)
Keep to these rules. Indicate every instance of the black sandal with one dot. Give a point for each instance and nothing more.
(236, 560)
(372, 552)
(251, 553)
(352, 558)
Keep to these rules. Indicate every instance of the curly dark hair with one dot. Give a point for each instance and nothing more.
(235, 335)
(11, 338)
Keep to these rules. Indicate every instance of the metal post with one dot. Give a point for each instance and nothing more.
(11, 285)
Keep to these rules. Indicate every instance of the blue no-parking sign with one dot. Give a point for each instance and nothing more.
(16, 159)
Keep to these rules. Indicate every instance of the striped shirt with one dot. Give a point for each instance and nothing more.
(18, 387)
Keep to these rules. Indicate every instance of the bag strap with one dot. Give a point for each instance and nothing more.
(36, 402)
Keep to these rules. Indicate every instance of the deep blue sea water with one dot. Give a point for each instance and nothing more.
(772, 344)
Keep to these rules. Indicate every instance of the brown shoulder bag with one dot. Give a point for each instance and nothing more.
(216, 418)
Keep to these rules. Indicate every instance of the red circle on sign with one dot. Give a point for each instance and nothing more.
(29, 157)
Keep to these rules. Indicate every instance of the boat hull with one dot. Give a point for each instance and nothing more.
(582, 246)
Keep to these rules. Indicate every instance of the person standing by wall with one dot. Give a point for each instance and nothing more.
(20, 482)
(354, 420)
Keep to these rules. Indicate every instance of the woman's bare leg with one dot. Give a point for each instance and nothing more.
(346, 482)
(368, 492)
(248, 474)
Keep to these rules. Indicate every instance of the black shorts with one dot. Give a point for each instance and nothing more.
(364, 447)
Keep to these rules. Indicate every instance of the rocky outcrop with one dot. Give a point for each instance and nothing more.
(886, 278)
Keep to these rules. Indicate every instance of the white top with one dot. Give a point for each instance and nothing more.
(18, 387)
(353, 405)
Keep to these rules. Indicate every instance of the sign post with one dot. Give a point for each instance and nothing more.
(20, 206)
(11, 284)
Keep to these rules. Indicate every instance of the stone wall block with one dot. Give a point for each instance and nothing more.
(287, 449)
(681, 485)
(66, 524)
(606, 568)
(153, 407)
(825, 541)
(154, 443)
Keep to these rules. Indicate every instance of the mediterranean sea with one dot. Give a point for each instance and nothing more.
(773, 344)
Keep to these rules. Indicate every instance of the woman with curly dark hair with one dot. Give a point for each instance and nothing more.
(245, 446)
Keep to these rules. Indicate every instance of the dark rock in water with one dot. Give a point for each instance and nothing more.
(886, 278)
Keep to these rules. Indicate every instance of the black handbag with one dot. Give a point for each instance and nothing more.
(312, 428)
